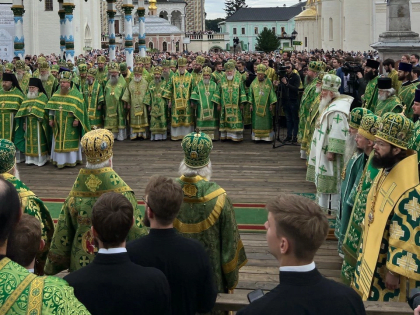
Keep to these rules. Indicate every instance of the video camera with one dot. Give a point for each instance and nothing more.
(282, 71)
(352, 68)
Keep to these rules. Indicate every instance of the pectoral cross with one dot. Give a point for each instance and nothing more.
(2, 104)
(30, 108)
(60, 108)
(207, 93)
(230, 90)
(261, 92)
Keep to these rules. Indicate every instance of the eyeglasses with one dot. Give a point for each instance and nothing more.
(145, 201)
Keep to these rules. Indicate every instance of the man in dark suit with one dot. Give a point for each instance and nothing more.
(296, 228)
(184, 261)
(112, 284)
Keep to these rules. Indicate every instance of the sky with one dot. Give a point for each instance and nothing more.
(214, 8)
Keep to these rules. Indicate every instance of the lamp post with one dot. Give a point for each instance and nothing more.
(292, 37)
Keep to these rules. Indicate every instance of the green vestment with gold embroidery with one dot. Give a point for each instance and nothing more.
(370, 98)
(114, 108)
(197, 77)
(68, 108)
(270, 73)
(178, 91)
(35, 207)
(72, 244)
(208, 216)
(390, 240)
(93, 95)
(353, 236)
(24, 293)
(396, 84)
(38, 132)
(10, 102)
(207, 114)
(230, 95)
(391, 104)
(102, 76)
(134, 95)
(311, 120)
(217, 76)
(247, 110)
(158, 107)
(261, 96)
(50, 86)
(308, 98)
(413, 144)
(406, 94)
(24, 83)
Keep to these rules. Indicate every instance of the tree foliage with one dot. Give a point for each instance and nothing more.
(212, 25)
(267, 41)
(231, 6)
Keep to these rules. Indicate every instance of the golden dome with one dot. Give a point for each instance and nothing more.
(307, 14)
(152, 5)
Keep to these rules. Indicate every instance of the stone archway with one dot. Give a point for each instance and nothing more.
(163, 15)
(176, 19)
(216, 49)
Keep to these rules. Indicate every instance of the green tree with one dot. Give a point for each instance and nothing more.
(267, 41)
(231, 6)
(212, 25)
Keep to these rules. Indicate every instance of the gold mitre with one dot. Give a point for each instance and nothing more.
(97, 145)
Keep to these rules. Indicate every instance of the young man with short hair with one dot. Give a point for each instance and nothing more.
(296, 228)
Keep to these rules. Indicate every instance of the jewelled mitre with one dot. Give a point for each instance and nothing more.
(197, 147)
(369, 126)
(395, 129)
(7, 155)
(261, 69)
(97, 145)
(356, 116)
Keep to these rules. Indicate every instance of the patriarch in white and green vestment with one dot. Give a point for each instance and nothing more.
(207, 116)
(178, 92)
(73, 245)
(157, 105)
(115, 115)
(93, 94)
(230, 98)
(23, 292)
(262, 99)
(69, 120)
(388, 260)
(387, 100)
(33, 116)
(11, 97)
(207, 214)
(134, 101)
(354, 163)
(326, 159)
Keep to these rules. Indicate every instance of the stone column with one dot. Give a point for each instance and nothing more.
(142, 31)
(68, 9)
(111, 28)
(19, 40)
(128, 26)
(62, 15)
(183, 23)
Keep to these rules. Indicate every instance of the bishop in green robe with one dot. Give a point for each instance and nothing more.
(406, 94)
(49, 82)
(73, 245)
(231, 99)
(178, 92)
(206, 111)
(197, 72)
(134, 99)
(218, 73)
(262, 100)
(93, 95)
(22, 76)
(34, 119)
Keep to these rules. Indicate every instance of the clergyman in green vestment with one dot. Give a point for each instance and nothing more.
(49, 82)
(68, 118)
(32, 112)
(93, 94)
(262, 99)
(22, 76)
(72, 244)
(407, 89)
(370, 98)
(387, 100)
(207, 214)
(207, 116)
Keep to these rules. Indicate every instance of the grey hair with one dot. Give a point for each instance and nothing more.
(107, 163)
(187, 171)
(391, 91)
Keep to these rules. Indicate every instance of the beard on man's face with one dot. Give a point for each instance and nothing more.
(385, 161)
(370, 75)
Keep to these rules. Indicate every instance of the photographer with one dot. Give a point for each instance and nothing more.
(353, 83)
(289, 85)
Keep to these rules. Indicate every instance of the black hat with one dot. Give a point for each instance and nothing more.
(372, 64)
(384, 83)
(406, 67)
(12, 78)
(38, 83)
(417, 96)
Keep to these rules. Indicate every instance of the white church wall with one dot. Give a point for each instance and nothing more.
(357, 25)
(332, 35)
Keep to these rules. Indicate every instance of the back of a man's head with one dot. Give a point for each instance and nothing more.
(9, 209)
(301, 221)
(24, 242)
(112, 218)
(164, 198)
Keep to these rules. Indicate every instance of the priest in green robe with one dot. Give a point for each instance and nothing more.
(370, 98)
(157, 106)
(68, 118)
(414, 143)
(139, 62)
(82, 69)
(207, 116)
(102, 74)
(33, 117)
(115, 115)
(231, 99)
(22, 76)
(197, 72)
(93, 95)
(262, 99)
(73, 245)
(407, 89)
(207, 214)
(11, 97)
(178, 92)
(49, 82)
(31, 204)
(309, 96)
(387, 100)
(218, 73)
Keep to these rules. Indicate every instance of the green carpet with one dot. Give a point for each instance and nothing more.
(249, 216)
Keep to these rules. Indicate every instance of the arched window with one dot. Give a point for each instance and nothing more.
(177, 46)
(331, 29)
(165, 46)
(151, 45)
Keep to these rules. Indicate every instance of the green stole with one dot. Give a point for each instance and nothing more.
(24, 83)
(217, 76)
(391, 104)
(93, 96)
(206, 110)
(370, 98)
(10, 102)
(158, 111)
(179, 90)
(50, 86)
(114, 110)
(308, 97)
